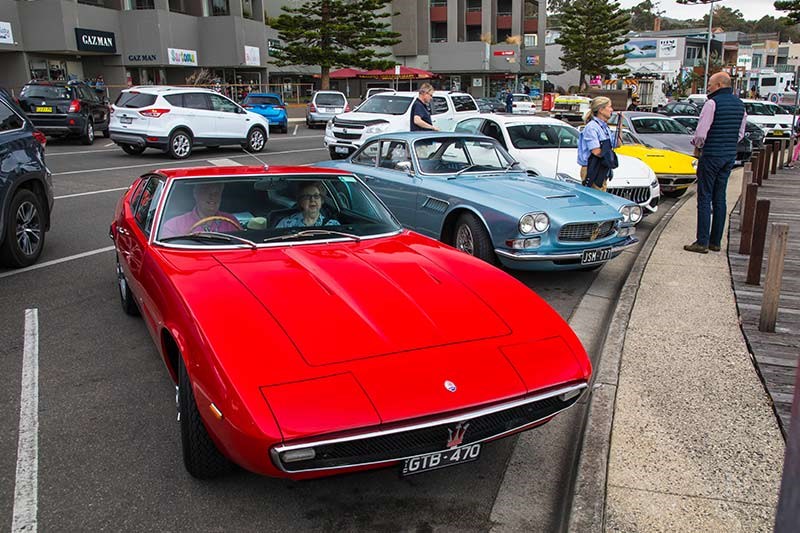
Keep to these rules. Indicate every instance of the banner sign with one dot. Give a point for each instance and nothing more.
(182, 57)
(504, 52)
(95, 41)
(667, 47)
(252, 56)
(6, 37)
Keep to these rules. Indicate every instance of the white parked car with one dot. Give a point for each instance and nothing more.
(390, 113)
(522, 104)
(549, 147)
(176, 119)
(772, 118)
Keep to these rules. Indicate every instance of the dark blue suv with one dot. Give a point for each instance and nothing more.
(26, 188)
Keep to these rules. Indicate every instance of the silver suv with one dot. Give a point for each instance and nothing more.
(325, 105)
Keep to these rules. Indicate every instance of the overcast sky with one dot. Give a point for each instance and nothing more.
(751, 9)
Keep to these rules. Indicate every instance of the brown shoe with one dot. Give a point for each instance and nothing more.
(714, 248)
(697, 248)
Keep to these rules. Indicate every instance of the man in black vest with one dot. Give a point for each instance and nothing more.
(420, 115)
(720, 128)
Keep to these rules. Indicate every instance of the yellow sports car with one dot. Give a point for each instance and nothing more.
(675, 171)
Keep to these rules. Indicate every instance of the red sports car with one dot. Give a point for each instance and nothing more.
(309, 334)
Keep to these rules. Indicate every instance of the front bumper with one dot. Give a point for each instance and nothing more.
(675, 182)
(532, 260)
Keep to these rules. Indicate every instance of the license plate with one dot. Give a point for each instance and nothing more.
(44, 109)
(435, 461)
(595, 256)
(341, 150)
(126, 120)
(777, 132)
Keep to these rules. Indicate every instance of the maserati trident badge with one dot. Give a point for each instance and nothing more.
(456, 435)
(449, 385)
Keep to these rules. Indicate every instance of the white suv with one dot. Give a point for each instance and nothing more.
(390, 113)
(175, 119)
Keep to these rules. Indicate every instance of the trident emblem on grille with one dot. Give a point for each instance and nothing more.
(456, 436)
(595, 233)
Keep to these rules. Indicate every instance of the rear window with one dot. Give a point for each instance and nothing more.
(52, 92)
(464, 103)
(329, 99)
(522, 98)
(135, 100)
(261, 100)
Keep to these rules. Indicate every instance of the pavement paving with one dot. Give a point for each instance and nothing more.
(681, 434)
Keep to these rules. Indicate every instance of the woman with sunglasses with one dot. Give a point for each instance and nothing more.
(309, 199)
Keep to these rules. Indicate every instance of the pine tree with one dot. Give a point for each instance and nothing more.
(792, 6)
(592, 35)
(335, 33)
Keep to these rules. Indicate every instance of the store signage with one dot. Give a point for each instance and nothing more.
(95, 41)
(135, 58)
(182, 57)
(252, 56)
(531, 60)
(504, 52)
(6, 36)
(667, 47)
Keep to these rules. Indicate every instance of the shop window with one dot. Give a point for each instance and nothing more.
(131, 5)
(247, 9)
(179, 6)
(530, 40)
(219, 8)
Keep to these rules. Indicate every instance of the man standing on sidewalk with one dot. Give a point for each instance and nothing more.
(720, 128)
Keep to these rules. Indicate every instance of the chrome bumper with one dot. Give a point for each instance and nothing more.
(529, 256)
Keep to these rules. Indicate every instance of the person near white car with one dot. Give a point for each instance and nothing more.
(420, 114)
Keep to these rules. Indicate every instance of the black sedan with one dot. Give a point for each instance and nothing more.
(753, 137)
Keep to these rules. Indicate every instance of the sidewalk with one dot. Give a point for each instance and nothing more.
(694, 441)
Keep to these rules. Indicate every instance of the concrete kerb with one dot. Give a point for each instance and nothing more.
(587, 507)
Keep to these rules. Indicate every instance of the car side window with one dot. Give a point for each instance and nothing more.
(464, 103)
(195, 101)
(220, 103)
(393, 153)
(614, 119)
(137, 193)
(9, 120)
(627, 138)
(491, 129)
(146, 208)
(368, 155)
(175, 99)
(469, 126)
(439, 105)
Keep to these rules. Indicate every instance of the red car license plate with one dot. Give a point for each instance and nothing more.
(434, 461)
(595, 256)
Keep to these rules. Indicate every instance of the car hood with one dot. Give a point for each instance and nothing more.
(672, 141)
(548, 162)
(326, 297)
(364, 118)
(661, 161)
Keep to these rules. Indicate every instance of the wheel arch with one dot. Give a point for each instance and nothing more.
(187, 129)
(171, 352)
(450, 219)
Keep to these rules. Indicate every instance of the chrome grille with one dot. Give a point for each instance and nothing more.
(586, 231)
(634, 194)
(347, 136)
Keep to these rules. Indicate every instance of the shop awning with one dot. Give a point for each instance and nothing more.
(406, 73)
(345, 73)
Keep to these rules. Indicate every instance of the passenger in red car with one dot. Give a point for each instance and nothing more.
(205, 216)
(310, 200)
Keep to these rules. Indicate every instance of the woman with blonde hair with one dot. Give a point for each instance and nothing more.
(596, 144)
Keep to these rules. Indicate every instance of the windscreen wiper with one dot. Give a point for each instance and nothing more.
(468, 167)
(312, 233)
(207, 236)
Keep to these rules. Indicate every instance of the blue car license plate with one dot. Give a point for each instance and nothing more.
(437, 460)
(596, 255)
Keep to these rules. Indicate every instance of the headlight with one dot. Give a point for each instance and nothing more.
(636, 213)
(534, 223)
(625, 211)
(377, 128)
(694, 164)
(654, 183)
(329, 125)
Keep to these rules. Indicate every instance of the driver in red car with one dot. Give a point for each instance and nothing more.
(205, 216)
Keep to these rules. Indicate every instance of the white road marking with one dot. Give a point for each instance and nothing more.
(82, 152)
(295, 130)
(90, 192)
(160, 164)
(26, 485)
(109, 144)
(224, 162)
(55, 262)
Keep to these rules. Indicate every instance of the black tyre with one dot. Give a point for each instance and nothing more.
(201, 457)
(334, 155)
(674, 194)
(256, 140)
(24, 230)
(88, 133)
(132, 149)
(180, 145)
(125, 295)
(107, 133)
(471, 237)
(285, 128)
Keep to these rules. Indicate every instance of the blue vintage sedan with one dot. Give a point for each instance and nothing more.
(467, 191)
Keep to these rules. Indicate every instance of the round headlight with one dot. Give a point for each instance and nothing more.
(694, 164)
(526, 224)
(625, 211)
(636, 213)
(541, 222)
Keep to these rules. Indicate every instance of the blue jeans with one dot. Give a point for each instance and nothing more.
(712, 182)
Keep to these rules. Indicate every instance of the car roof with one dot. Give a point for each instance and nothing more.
(436, 93)
(637, 114)
(415, 135)
(159, 89)
(276, 95)
(237, 171)
(509, 119)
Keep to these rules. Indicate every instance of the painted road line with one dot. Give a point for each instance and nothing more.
(224, 162)
(109, 144)
(82, 152)
(156, 164)
(26, 485)
(295, 130)
(90, 192)
(55, 262)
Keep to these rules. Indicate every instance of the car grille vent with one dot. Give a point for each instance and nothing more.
(561, 196)
(347, 136)
(634, 194)
(586, 231)
(429, 439)
(434, 204)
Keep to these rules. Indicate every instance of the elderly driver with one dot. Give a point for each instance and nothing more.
(205, 216)
(309, 199)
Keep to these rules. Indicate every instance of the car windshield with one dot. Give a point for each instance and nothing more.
(252, 210)
(757, 108)
(51, 92)
(657, 125)
(386, 104)
(776, 109)
(689, 122)
(261, 100)
(533, 136)
(456, 156)
(329, 100)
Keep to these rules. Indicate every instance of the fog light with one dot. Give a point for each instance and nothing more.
(569, 395)
(533, 242)
(72, 122)
(522, 244)
(303, 454)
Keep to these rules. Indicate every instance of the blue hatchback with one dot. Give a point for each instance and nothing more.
(269, 106)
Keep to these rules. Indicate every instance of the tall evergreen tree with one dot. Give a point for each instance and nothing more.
(335, 33)
(592, 35)
(792, 6)
(643, 15)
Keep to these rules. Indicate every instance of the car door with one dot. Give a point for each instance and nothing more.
(441, 113)
(97, 109)
(231, 121)
(196, 113)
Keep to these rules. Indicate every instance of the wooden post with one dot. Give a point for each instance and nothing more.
(747, 178)
(757, 176)
(772, 284)
(757, 246)
(788, 514)
(782, 158)
(747, 218)
(775, 156)
(766, 163)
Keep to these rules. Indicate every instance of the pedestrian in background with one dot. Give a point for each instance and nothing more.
(420, 114)
(720, 128)
(596, 145)
(509, 102)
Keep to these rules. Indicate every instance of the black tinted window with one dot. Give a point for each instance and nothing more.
(175, 99)
(195, 101)
(51, 92)
(438, 105)
(464, 103)
(329, 99)
(8, 119)
(148, 202)
(135, 99)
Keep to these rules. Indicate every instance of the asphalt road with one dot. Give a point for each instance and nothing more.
(108, 442)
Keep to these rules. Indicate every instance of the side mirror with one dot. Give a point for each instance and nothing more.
(406, 167)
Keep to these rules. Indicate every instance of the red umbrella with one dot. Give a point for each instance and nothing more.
(406, 73)
(344, 73)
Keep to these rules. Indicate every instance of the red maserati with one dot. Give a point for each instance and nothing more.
(309, 334)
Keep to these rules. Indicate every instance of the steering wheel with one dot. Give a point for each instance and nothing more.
(216, 217)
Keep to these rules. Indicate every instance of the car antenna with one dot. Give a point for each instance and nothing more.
(558, 153)
(254, 156)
